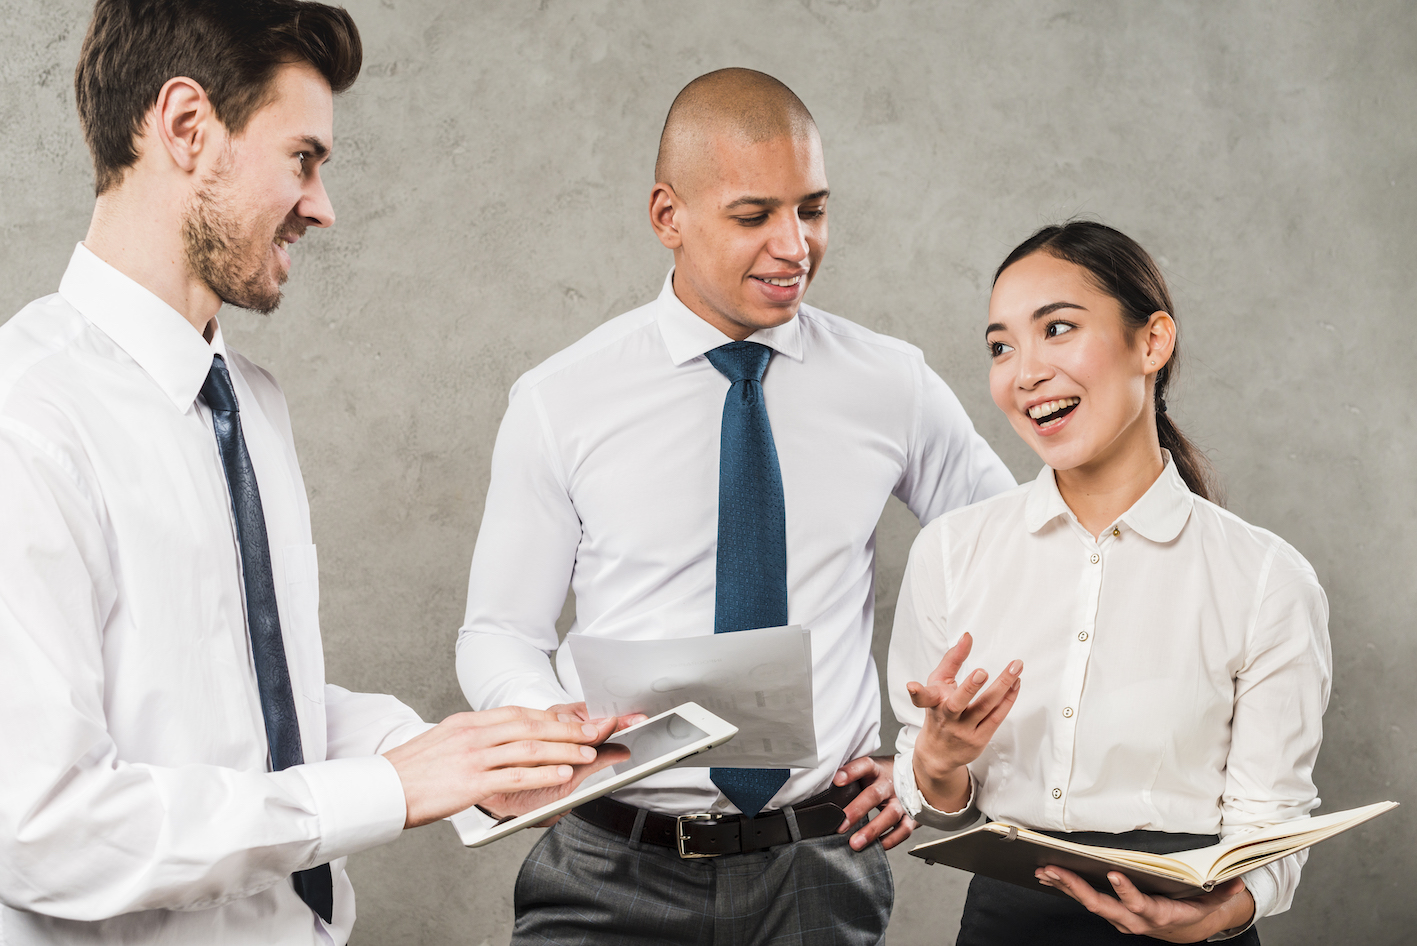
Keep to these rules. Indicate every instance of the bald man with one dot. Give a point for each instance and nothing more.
(714, 461)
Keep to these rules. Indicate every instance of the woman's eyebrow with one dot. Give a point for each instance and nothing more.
(1052, 307)
(1039, 313)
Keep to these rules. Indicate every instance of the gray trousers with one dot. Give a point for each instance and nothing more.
(584, 885)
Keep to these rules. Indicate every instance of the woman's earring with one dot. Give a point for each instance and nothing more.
(1153, 361)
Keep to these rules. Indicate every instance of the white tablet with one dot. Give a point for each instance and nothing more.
(655, 744)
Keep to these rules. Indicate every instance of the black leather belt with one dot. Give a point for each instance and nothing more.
(706, 835)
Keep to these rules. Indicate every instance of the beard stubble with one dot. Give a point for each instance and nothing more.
(232, 263)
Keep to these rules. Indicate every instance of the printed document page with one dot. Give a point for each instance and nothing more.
(759, 680)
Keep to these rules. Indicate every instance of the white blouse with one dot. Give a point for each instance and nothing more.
(1175, 672)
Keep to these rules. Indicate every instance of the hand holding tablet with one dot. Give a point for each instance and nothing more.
(655, 744)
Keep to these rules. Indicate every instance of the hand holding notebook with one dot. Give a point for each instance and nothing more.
(1012, 854)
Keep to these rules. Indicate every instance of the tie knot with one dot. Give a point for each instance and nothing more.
(741, 361)
(217, 390)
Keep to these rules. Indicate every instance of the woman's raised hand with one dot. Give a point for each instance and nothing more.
(959, 722)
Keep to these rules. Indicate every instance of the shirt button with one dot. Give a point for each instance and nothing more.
(1067, 712)
(1116, 532)
(1082, 635)
(1095, 558)
(1057, 793)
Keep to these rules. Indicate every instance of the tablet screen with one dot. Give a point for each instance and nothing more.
(654, 739)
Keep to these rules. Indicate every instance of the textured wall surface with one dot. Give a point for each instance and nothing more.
(491, 176)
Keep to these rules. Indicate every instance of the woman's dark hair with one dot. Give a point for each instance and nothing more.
(1119, 267)
(230, 47)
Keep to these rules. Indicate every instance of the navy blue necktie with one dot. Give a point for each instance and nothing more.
(262, 620)
(751, 589)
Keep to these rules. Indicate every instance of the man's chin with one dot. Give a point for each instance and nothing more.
(768, 318)
(263, 302)
(255, 295)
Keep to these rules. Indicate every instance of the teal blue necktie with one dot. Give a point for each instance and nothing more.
(751, 573)
(315, 886)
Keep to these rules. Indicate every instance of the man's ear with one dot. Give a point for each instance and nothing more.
(1160, 338)
(664, 208)
(183, 122)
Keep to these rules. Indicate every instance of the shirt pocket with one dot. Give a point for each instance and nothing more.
(303, 649)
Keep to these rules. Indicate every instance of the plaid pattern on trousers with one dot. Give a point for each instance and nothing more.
(584, 886)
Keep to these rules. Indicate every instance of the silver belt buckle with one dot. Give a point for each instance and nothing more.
(682, 837)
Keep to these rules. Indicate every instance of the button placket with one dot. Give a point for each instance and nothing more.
(1072, 678)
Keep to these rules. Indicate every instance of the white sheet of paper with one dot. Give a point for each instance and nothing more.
(759, 680)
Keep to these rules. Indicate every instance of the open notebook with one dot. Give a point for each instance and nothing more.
(1012, 854)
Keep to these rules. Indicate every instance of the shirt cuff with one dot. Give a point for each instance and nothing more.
(359, 801)
(921, 810)
(1265, 891)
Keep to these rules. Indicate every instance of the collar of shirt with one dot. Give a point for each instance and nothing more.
(687, 335)
(1158, 515)
(154, 334)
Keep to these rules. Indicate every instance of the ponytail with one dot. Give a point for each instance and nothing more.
(1121, 268)
(1194, 468)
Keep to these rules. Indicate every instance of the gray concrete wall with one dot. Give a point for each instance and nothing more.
(492, 172)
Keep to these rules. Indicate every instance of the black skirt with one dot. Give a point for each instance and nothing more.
(1002, 914)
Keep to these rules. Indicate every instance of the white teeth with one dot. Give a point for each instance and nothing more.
(281, 243)
(1038, 411)
(781, 282)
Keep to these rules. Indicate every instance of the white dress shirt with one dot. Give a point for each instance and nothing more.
(1175, 671)
(605, 476)
(135, 804)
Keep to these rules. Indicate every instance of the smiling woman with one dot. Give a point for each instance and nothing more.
(1179, 657)
(1118, 268)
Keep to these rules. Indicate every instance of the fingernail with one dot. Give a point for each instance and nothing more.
(1051, 876)
(565, 718)
(977, 676)
(565, 771)
(1016, 667)
(587, 753)
(1116, 879)
(589, 730)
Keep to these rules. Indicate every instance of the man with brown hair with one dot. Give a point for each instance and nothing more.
(176, 769)
(712, 462)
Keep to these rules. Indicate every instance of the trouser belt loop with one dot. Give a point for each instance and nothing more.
(638, 830)
(793, 831)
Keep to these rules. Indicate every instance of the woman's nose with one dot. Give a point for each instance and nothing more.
(1032, 369)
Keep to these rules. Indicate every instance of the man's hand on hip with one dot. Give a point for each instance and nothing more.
(891, 824)
(517, 758)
